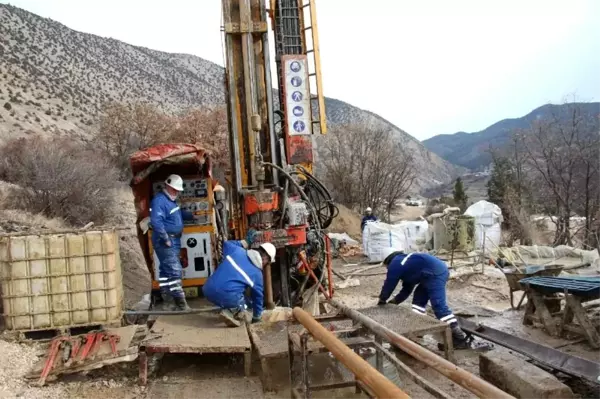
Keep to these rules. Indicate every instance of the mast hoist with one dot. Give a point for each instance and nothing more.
(271, 186)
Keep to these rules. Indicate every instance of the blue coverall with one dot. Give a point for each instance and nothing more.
(167, 225)
(225, 288)
(367, 218)
(428, 274)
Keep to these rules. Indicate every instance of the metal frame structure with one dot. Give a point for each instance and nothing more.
(471, 382)
(197, 334)
(271, 168)
(366, 378)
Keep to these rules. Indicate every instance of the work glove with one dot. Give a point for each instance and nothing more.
(251, 236)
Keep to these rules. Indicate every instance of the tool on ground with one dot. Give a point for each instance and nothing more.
(55, 346)
(71, 347)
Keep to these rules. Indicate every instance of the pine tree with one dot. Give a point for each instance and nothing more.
(501, 179)
(460, 196)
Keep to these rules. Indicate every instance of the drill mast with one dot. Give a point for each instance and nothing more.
(271, 143)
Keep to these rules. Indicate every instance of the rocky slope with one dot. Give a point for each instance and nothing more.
(55, 80)
(471, 149)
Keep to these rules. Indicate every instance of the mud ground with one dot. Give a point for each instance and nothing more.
(210, 376)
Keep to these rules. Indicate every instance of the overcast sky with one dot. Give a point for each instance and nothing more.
(428, 66)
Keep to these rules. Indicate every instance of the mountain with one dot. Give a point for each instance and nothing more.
(470, 149)
(54, 80)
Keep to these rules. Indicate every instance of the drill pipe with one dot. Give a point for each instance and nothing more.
(471, 382)
(169, 312)
(364, 372)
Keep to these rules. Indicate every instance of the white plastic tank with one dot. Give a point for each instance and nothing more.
(60, 280)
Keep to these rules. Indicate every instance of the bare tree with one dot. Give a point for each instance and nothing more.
(207, 127)
(554, 152)
(366, 166)
(125, 129)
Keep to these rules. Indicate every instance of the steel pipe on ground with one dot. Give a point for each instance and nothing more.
(170, 312)
(471, 382)
(364, 372)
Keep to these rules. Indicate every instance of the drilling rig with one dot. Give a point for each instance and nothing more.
(271, 186)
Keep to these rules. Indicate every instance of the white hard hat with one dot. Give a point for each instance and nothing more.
(175, 182)
(369, 209)
(270, 250)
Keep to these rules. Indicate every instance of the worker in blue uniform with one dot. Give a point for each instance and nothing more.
(429, 275)
(368, 217)
(240, 269)
(166, 219)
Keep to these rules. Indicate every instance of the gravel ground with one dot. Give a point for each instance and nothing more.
(16, 361)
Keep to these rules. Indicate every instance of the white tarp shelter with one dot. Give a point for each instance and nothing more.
(488, 218)
(379, 238)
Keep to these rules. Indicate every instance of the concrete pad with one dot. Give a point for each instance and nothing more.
(520, 378)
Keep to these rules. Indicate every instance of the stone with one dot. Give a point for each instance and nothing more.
(520, 378)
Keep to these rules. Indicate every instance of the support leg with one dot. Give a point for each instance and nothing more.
(357, 389)
(567, 317)
(521, 301)
(247, 363)
(379, 355)
(143, 368)
(305, 375)
(291, 360)
(588, 328)
(529, 309)
(266, 373)
(543, 313)
(448, 345)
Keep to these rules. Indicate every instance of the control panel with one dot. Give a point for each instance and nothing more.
(194, 198)
(192, 188)
(196, 256)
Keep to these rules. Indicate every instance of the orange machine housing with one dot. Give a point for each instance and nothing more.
(154, 165)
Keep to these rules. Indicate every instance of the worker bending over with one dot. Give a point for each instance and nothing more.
(368, 217)
(429, 275)
(240, 269)
(166, 219)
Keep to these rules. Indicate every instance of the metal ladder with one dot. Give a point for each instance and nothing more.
(290, 38)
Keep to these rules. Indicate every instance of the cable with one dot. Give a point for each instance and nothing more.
(321, 198)
(300, 190)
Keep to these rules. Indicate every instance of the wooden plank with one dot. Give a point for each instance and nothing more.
(543, 313)
(199, 333)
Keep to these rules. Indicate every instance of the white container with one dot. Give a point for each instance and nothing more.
(60, 280)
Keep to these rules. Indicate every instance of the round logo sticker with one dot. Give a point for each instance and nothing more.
(297, 96)
(299, 126)
(298, 111)
(296, 81)
(295, 66)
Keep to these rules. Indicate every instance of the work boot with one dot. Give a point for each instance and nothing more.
(459, 338)
(180, 305)
(166, 304)
(229, 318)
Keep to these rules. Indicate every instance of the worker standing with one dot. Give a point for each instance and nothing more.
(368, 217)
(240, 269)
(430, 275)
(166, 219)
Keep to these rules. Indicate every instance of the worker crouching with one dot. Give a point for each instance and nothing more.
(429, 275)
(240, 269)
(166, 219)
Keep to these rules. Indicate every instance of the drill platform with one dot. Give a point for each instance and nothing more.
(194, 333)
